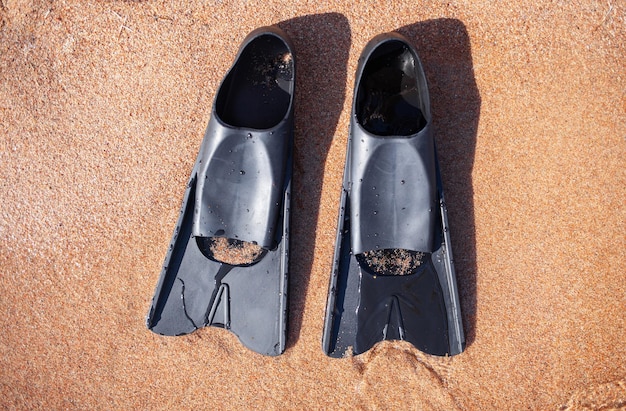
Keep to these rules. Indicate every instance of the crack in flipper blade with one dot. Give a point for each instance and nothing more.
(182, 296)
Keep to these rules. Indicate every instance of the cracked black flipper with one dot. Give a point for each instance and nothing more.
(240, 189)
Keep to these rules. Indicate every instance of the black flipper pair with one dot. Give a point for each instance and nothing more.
(393, 276)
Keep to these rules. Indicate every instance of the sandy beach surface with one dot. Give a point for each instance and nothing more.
(103, 105)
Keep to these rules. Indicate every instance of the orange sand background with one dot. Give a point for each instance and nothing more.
(103, 105)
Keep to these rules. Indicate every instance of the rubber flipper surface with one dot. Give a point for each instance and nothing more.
(239, 189)
(393, 274)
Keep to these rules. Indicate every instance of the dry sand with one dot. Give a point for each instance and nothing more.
(103, 105)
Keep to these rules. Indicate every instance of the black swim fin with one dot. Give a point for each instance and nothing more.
(393, 275)
(237, 197)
